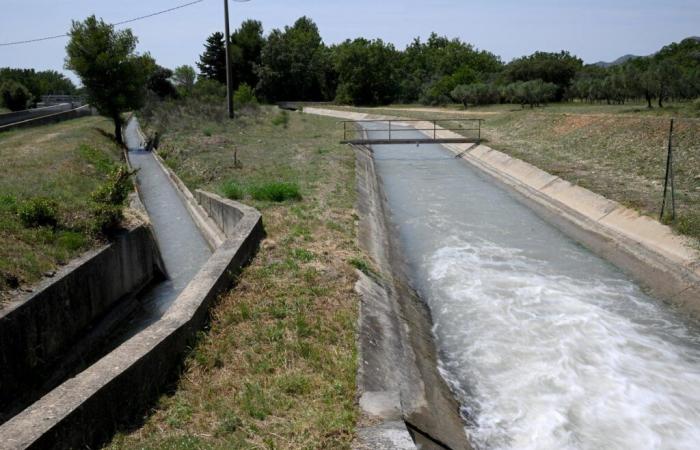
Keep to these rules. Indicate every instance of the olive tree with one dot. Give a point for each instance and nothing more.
(114, 76)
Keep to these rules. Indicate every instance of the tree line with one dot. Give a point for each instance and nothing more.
(23, 88)
(294, 64)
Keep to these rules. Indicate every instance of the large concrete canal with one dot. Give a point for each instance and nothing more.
(546, 345)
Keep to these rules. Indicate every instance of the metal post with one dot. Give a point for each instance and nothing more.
(390, 130)
(669, 175)
(229, 88)
(434, 129)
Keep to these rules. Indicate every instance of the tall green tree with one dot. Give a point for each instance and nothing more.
(558, 68)
(114, 76)
(212, 63)
(246, 49)
(294, 64)
(366, 72)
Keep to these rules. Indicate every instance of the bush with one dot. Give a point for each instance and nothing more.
(275, 191)
(232, 190)
(281, 119)
(14, 95)
(38, 212)
(209, 90)
(244, 96)
(109, 199)
(117, 188)
(106, 218)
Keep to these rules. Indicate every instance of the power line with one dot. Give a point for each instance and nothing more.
(28, 41)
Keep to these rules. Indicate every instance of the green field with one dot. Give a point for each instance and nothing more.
(609, 149)
(277, 369)
(62, 163)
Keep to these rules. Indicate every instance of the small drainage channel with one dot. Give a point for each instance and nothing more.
(183, 251)
(544, 344)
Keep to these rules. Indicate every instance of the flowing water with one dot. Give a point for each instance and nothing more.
(546, 345)
(182, 246)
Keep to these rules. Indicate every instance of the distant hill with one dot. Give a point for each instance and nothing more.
(617, 62)
(624, 59)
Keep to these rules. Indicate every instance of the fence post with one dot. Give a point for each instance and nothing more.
(434, 129)
(669, 176)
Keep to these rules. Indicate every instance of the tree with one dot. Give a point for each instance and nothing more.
(14, 95)
(38, 83)
(159, 82)
(294, 64)
(558, 68)
(475, 94)
(212, 63)
(184, 78)
(247, 43)
(113, 74)
(366, 72)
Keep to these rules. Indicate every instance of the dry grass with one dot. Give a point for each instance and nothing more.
(620, 154)
(63, 162)
(277, 369)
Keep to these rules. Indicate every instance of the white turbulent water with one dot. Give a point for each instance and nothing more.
(546, 345)
(554, 362)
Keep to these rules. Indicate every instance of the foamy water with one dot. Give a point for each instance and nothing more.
(546, 345)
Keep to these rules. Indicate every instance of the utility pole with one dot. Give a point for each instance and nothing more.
(229, 87)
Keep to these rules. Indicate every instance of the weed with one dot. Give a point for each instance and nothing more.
(232, 190)
(37, 212)
(71, 240)
(294, 384)
(207, 131)
(255, 403)
(275, 191)
(302, 255)
(363, 266)
(282, 118)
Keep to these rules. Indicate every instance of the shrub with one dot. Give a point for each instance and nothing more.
(244, 96)
(117, 188)
(106, 218)
(232, 190)
(109, 199)
(275, 191)
(14, 95)
(38, 212)
(281, 119)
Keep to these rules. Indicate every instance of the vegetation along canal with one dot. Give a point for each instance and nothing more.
(546, 345)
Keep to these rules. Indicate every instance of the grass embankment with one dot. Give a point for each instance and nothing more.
(48, 175)
(613, 150)
(277, 369)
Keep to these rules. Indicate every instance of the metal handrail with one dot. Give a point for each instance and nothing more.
(434, 128)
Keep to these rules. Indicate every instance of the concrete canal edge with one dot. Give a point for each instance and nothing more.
(664, 263)
(86, 410)
(39, 329)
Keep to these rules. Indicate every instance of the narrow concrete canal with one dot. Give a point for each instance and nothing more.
(546, 345)
(182, 246)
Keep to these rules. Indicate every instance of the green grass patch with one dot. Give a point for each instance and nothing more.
(275, 191)
(232, 190)
(49, 175)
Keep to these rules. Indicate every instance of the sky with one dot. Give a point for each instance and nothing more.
(594, 30)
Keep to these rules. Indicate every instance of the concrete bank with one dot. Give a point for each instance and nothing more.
(85, 410)
(401, 390)
(45, 119)
(39, 330)
(664, 263)
(20, 116)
